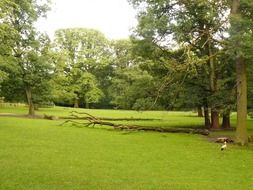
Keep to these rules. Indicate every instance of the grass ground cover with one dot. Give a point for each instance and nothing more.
(40, 154)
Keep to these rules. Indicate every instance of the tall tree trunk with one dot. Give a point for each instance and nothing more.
(213, 85)
(206, 115)
(241, 80)
(215, 119)
(200, 113)
(241, 127)
(226, 120)
(76, 103)
(28, 91)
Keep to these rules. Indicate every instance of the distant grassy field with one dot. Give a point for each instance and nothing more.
(41, 154)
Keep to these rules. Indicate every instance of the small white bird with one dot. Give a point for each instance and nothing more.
(224, 146)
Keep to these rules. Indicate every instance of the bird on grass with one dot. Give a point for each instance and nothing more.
(224, 146)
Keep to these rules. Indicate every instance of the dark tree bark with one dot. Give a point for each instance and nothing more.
(226, 121)
(213, 85)
(215, 119)
(206, 115)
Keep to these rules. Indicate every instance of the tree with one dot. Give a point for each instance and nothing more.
(29, 49)
(133, 88)
(133, 85)
(250, 88)
(82, 53)
(7, 40)
(194, 25)
(241, 39)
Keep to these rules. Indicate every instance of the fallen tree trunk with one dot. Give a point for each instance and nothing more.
(109, 119)
(92, 121)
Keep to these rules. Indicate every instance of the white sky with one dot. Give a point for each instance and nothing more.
(114, 18)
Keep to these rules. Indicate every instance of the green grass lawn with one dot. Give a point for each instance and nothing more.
(42, 155)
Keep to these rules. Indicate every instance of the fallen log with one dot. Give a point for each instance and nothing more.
(164, 130)
(76, 115)
(109, 119)
(92, 121)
